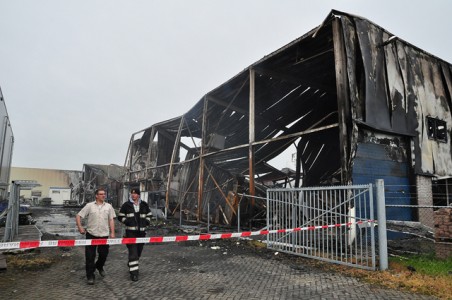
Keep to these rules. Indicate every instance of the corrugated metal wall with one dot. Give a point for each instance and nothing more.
(6, 148)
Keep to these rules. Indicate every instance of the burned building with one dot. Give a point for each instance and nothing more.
(357, 102)
(94, 176)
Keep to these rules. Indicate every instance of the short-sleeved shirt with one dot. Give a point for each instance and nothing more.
(98, 217)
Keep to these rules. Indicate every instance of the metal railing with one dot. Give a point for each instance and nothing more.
(334, 224)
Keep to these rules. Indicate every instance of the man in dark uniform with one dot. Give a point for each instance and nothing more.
(136, 216)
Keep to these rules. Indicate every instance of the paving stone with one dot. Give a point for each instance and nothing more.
(178, 271)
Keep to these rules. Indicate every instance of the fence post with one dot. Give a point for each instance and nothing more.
(8, 235)
(238, 216)
(208, 215)
(180, 214)
(12, 218)
(381, 218)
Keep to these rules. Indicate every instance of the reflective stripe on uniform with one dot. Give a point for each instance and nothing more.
(133, 263)
(132, 228)
(131, 215)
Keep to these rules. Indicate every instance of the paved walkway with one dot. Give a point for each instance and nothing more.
(189, 270)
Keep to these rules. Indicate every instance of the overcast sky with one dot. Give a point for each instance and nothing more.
(79, 77)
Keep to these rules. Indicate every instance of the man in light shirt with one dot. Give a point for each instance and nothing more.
(99, 225)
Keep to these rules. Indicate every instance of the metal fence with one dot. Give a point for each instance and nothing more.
(12, 212)
(334, 224)
(411, 228)
(407, 237)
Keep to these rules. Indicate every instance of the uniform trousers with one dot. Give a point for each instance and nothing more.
(134, 251)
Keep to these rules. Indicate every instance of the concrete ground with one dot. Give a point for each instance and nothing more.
(188, 270)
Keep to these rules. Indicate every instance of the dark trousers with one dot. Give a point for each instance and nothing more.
(134, 251)
(90, 255)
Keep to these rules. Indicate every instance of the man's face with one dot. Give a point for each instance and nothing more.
(100, 196)
(135, 196)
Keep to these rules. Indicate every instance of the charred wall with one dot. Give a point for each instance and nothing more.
(395, 87)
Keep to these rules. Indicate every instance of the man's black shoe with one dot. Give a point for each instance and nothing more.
(134, 277)
(101, 272)
(90, 281)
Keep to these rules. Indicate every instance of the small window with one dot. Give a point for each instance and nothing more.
(436, 129)
(36, 193)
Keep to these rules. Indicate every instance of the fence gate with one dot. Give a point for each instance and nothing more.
(334, 224)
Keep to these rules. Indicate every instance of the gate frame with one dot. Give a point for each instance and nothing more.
(371, 223)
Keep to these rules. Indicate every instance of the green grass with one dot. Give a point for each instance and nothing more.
(427, 264)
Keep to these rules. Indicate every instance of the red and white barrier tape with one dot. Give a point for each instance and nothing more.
(161, 239)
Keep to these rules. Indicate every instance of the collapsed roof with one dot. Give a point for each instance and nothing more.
(310, 93)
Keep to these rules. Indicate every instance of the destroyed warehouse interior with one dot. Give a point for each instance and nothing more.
(356, 102)
(108, 177)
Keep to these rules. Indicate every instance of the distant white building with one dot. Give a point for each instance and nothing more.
(49, 180)
(58, 195)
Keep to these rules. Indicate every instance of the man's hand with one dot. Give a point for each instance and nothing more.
(112, 235)
(78, 222)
